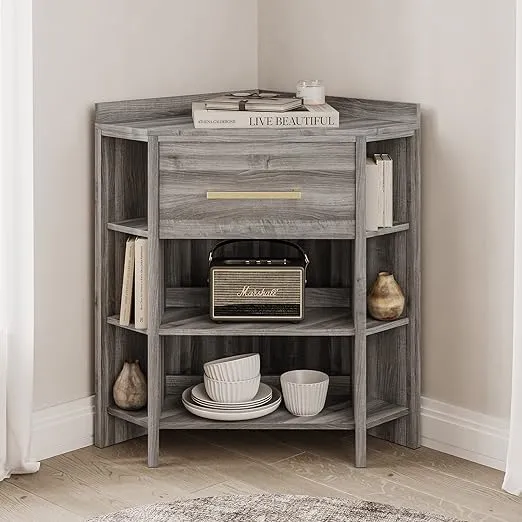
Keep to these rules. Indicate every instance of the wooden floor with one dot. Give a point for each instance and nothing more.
(90, 481)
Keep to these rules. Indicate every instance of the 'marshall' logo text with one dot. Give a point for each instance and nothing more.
(254, 292)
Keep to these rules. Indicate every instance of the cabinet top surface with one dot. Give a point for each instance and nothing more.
(170, 119)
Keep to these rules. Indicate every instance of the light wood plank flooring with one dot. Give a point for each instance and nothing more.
(90, 481)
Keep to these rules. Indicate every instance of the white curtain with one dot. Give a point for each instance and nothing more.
(513, 478)
(16, 228)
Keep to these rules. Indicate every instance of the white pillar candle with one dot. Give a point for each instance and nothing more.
(312, 92)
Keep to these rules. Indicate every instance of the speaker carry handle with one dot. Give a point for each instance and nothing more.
(279, 241)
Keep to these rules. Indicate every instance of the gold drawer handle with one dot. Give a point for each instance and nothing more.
(291, 194)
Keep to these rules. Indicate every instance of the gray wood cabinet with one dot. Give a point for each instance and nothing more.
(159, 177)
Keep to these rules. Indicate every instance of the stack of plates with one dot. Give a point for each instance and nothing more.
(196, 401)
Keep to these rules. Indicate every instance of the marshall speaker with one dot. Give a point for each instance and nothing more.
(261, 289)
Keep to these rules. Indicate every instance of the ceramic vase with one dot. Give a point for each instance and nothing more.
(385, 300)
(130, 389)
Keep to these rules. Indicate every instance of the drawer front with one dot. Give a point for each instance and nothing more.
(258, 190)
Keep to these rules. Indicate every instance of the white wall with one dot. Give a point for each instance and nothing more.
(95, 50)
(458, 60)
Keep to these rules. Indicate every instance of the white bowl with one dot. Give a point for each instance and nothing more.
(236, 368)
(228, 392)
(304, 391)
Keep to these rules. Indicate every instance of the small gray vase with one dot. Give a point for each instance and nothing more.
(130, 389)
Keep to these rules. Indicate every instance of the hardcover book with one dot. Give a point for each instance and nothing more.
(307, 116)
(244, 101)
(388, 190)
(373, 217)
(141, 314)
(127, 284)
(380, 196)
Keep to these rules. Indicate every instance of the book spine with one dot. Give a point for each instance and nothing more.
(127, 283)
(141, 277)
(380, 199)
(372, 192)
(388, 190)
(204, 119)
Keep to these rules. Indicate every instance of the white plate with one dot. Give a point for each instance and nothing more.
(235, 408)
(226, 415)
(200, 396)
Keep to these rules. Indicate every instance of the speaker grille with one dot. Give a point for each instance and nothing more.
(257, 292)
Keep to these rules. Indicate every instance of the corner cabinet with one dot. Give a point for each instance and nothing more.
(154, 174)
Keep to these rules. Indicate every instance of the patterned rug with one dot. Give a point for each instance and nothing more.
(269, 508)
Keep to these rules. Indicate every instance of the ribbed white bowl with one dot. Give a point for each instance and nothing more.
(236, 368)
(238, 391)
(304, 391)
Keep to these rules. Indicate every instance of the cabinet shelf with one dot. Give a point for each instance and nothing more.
(397, 227)
(318, 322)
(134, 227)
(337, 415)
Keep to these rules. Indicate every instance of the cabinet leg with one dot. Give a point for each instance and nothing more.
(360, 448)
(155, 397)
(153, 449)
(359, 400)
(156, 305)
(359, 308)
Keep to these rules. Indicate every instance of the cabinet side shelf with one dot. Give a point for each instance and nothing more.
(134, 227)
(337, 415)
(397, 227)
(138, 227)
(318, 322)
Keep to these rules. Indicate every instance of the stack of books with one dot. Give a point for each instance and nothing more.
(379, 192)
(261, 110)
(135, 283)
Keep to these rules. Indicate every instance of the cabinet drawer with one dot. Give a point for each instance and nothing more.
(258, 190)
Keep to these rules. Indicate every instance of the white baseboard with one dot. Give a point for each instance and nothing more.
(464, 433)
(62, 428)
(450, 429)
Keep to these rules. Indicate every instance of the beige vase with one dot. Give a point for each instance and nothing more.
(385, 300)
(130, 389)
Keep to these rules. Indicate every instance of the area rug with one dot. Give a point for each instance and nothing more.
(269, 508)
